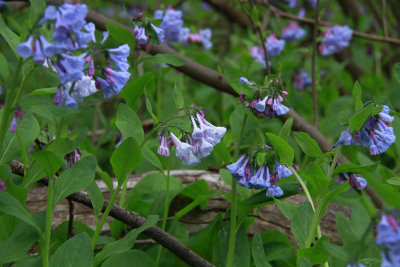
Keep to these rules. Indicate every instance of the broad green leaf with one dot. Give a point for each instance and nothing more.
(352, 168)
(62, 146)
(178, 97)
(343, 224)
(11, 206)
(393, 181)
(11, 38)
(304, 262)
(316, 177)
(260, 199)
(49, 162)
(125, 158)
(308, 145)
(258, 252)
(134, 89)
(125, 259)
(165, 59)
(44, 91)
(357, 91)
(4, 71)
(336, 251)
(357, 121)
(34, 174)
(301, 223)
(121, 34)
(128, 123)
(125, 243)
(76, 252)
(316, 254)
(76, 178)
(287, 127)
(288, 209)
(96, 197)
(285, 152)
(152, 158)
(232, 77)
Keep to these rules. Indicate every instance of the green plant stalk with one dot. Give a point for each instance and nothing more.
(105, 215)
(317, 214)
(49, 214)
(166, 210)
(23, 152)
(232, 231)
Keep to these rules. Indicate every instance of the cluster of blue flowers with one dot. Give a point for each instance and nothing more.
(336, 39)
(292, 32)
(76, 72)
(248, 174)
(172, 24)
(388, 237)
(377, 133)
(269, 105)
(147, 33)
(302, 80)
(196, 146)
(274, 45)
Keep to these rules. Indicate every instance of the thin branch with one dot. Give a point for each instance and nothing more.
(133, 220)
(313, 71)
(260, 35)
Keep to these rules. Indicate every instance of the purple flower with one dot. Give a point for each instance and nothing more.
(163, 149)
(245, 81)
(274, 45)
(292, 3)
(73, 157)
(336, 39)
(275, 191)
(70, 68)
(292, 32)
(172, 23)
(24, 49)
(302, 80)
(3, 186)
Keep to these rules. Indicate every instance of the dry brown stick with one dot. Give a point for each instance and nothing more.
(133, 220)
(71, 219)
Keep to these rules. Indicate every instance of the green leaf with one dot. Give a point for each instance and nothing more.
(301, 223)
(258, 252)
(152, 158)
(126, 259)
(134, 89)
(316, 254)
(285, 152)
(288, 209)
(11, 206)
(36, 10)
(178, 97)
(343, 224)
(62, 146)
(4, 71)
(308, 145)
(287, 127)
(358, 104)
(76, 252)
(125, 243)
(358, 120)
(76, 178)
(11, 38)
(125, 158)
(316, 177)
(96, 197)
(165, 59)
(393, 181)
(121, 34)
(260, 199)
(150, 109)
(353, 168)
(232, 77)
(49, 162)
(129, 123)
(336, 251)
(44, 91)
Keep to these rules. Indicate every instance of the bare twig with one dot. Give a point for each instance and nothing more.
(71, 219)
(313, 71)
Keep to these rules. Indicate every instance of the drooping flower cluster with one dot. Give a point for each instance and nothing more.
(77, 75)
(172, 24)
(274, 48)
(377, 133)
(146, 32)
(292, 32)
(249, 174)
(336, 39)
(269, 105)
(388, 236)
(302, 80)
(191, 148)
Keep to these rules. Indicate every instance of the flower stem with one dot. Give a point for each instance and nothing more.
(166, 210)
(105, 215)
(232, 231)
(49, 214)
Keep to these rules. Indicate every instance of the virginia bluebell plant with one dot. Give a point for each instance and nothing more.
(292, 32)
(268, 105)
(250, 174)
(172, 24)
(377, 133)
(389, 239)
(336, 39)
(190, 148)
(274, 46)
(301, 81)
